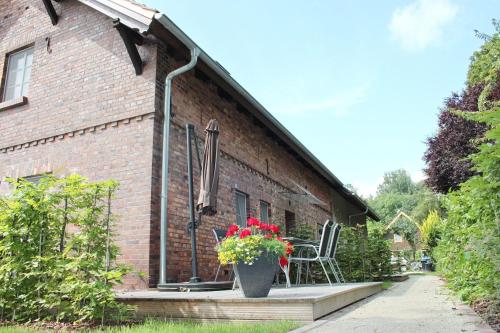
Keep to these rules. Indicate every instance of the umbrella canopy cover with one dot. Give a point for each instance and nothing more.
(207, 201)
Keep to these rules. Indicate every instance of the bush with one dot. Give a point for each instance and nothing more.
(430, 232)
(48, 272)
(362, 255)
(468, 252)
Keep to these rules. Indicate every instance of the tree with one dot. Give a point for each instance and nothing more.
(468, 251)
(398, 182)
(398, 192)
(447, 166)
(429, 232)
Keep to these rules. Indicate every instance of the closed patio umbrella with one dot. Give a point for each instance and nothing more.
(207, 200)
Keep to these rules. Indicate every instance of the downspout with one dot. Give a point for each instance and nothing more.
(358, 214)
(164, 166)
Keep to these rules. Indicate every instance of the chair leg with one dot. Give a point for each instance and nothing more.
(217, 273)
(236, 282)
(326, 273)
(333, 270)
(338, 268)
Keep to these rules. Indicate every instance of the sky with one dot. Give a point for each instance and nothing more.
(359, 83)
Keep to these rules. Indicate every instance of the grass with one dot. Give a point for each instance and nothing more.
(281, 326)
(385, 285)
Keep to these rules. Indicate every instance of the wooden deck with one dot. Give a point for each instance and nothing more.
(304, 304)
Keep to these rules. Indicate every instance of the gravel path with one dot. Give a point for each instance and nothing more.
(420, 304)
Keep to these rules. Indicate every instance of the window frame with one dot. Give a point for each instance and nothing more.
(267, 211)
(397, 238)
(245, 217)
(6, 71)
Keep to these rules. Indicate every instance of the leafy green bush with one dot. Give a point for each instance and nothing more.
(468, 253)
(362, 255)
(469, 250)
(57, 260)
(430, 232)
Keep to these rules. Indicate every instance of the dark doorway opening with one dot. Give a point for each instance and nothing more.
(289, 222)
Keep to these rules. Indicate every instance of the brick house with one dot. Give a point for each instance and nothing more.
(82, 91)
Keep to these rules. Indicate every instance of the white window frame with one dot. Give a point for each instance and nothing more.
(24, 92)
(398, 238)
(264, 207)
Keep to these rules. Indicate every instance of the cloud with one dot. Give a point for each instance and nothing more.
(421, 23)
(418, 176)
(367, 189)
(339, 104)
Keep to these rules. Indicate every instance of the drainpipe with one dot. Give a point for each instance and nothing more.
(164, 166)
(358, 214)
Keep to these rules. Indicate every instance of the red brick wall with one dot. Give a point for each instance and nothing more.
(87, 112)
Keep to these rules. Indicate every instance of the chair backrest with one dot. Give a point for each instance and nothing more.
(326, 237)
(219, 234)
(335, 240)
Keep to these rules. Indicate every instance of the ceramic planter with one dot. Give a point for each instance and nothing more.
(256, 279)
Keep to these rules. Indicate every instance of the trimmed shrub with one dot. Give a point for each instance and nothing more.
(48, 272)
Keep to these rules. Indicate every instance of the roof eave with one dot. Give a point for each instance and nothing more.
(132, 15)
(279, 129)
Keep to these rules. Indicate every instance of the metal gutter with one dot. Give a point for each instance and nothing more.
(284, 134)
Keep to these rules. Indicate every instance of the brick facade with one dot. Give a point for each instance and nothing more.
(89, 113)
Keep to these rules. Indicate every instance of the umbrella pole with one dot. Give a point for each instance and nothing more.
(192, 222)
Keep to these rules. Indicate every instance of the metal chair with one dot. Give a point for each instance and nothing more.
(321, 253)
(332, 262)
(219, 234)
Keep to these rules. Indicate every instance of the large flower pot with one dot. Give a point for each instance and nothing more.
(256, 279)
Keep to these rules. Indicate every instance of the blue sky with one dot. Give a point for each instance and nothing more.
(359, 83)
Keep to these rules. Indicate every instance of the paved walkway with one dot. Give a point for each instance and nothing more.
(420, 304)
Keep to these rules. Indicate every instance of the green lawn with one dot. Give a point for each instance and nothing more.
(184, 327)
(386, 284)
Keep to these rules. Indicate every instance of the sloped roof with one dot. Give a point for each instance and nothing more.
(132, 14)
(140, 17)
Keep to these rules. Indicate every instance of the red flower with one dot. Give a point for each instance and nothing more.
(283, 261)
(244, 233)
(274, 228)
(289, 248)
(232, 230)
(279, 238)
(268, 236)
(264, 226)
(252, 221)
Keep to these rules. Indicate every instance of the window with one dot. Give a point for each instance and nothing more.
(289, 222)
(18, 74)
(398, 238)
(264, 211)
(241, 209)
(35, 179)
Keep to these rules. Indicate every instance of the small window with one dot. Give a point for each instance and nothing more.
(398, 238)
(264, 211)
(18, 74)
(289, 222)
(35, 179)
(241, 209)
